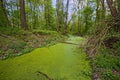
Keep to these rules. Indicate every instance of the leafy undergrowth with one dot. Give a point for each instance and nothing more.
(107, 63)
(15, 41)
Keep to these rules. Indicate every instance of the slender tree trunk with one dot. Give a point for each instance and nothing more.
(118, 5)
(57, 15)
(31, 19)
(97, 12)
(12, 21)
(66, 16)
(62, 16)
(48, 14)
(45, 13)
(23, 15)
(103, 9)
(18, 21)
(79, 16)
(113, 10)
(4, 18)
(34, 9)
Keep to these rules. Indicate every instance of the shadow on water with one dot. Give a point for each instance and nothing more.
(58, 62)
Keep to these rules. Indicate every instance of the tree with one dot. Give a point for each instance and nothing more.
(59, 15)
(4, 21)
(87, 13)
(48, 12)
(97, 11)
(78, 7)
(103, 9)
(118, 5)
(23, 15)
(113, 10)
(66, 17)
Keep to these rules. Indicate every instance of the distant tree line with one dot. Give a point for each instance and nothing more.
(41, 14)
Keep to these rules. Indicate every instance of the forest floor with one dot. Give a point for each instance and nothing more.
(14, 42)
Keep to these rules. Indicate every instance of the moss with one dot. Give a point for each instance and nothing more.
(59, 62)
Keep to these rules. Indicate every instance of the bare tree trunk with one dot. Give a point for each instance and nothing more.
(113, 10)
(23, 15)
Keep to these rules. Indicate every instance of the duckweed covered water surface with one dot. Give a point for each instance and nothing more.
(59, 62)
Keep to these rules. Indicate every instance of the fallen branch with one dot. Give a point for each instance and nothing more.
(45, 75)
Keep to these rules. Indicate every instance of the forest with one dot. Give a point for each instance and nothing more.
(59, 39)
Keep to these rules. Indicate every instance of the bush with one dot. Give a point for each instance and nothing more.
(106, 62)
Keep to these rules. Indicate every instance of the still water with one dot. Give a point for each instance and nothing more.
(61, 61)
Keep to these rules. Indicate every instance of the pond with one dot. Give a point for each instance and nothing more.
(62, 61)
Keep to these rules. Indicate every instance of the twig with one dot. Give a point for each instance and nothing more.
(45, 75)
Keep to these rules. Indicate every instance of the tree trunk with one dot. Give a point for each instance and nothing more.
(48, 13)
(97, 11)
(3, 15)
(112, 8)
(57, 15)
(78, 6)
(23, 15)
(18, 21)
(103, 9)
(60, 18)
(66, 16)
(118, 5)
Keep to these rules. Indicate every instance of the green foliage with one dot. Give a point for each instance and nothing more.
(88, 11)
(87, 18)
(108, 75)
(21, 42)
(3, 21)
(106, 62)
(16, 46)
(44, 32)
(1, 51)
(25, 51)
(10, 30)
(117, 47)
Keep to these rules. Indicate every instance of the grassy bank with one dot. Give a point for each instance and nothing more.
(15, 41)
